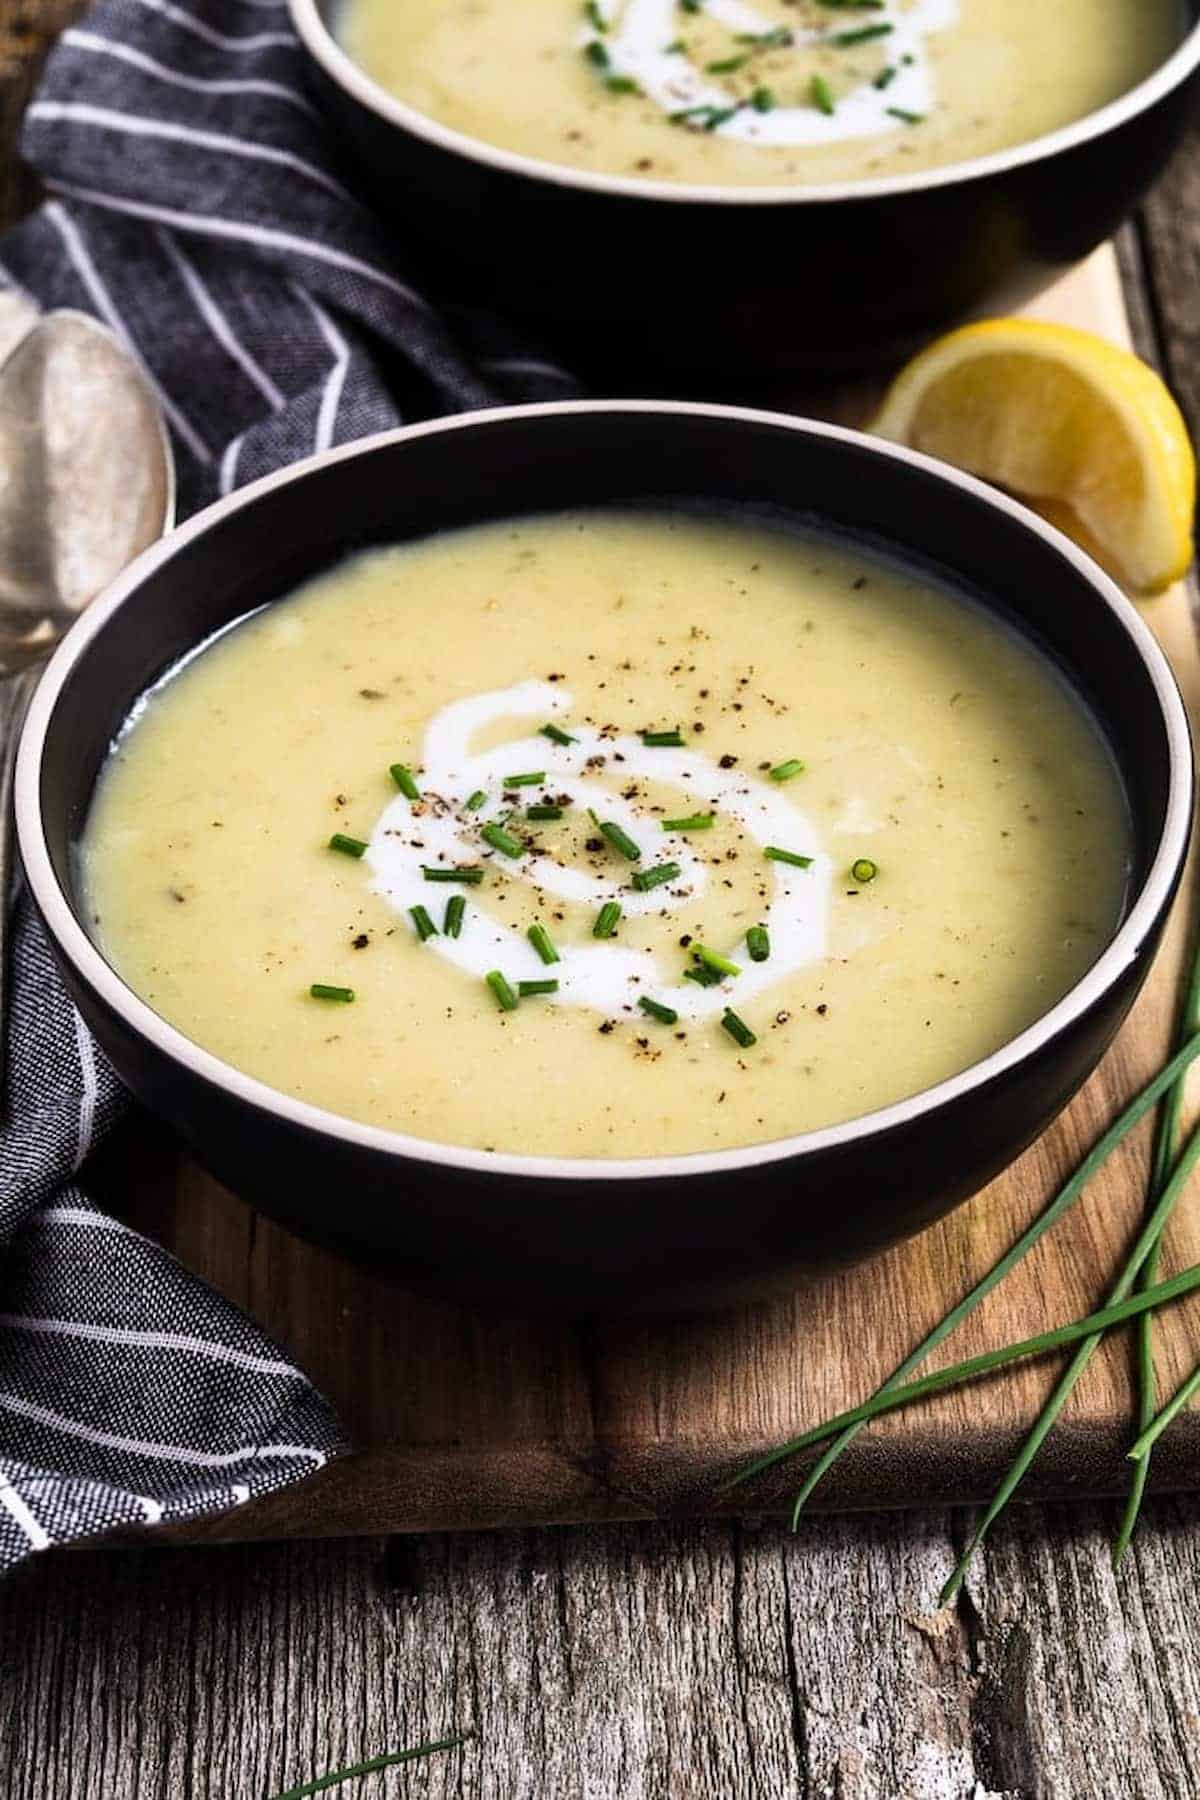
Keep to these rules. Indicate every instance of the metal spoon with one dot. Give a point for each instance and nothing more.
(87, 482)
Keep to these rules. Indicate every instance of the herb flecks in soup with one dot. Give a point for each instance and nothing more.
(757, 91)
(608, 833)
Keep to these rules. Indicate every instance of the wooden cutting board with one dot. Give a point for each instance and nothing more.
(467, 1420)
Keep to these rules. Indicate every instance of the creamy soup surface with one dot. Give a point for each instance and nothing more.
(940, 755)
(757, 91)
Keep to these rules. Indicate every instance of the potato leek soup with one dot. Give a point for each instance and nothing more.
(757, 91)
(608, 833)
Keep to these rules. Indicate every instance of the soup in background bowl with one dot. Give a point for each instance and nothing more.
(291, 726)
(764, 204)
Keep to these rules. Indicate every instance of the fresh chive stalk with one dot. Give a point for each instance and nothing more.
(711, 960)
(821, 95)
(645, 879)
(321, 990)
(763, 100)
(594, 16)
(597, 54)
(506, 999)
(502, 840)
(543, 943)
(758, 943)
(728, 65)
(737, 1028)
(470, 874)
(662, 740)
(863, 870)
(853, 5)
(905, 117)
(452, 922)
(702, 975)
(774, 854)
(606, 919)
(349, 846)
(557, 735)
(785, 770)
(694, 822)
(534, 779)
(322, 1783)
(544, 812)
(405, 780)
(1165, 1143)
(476, 800)
(666, 1015)
(528, 988)
(885, 77)
(617, 837)
(1066, 1197)
(424, 924)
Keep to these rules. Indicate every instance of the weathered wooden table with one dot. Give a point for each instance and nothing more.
(653, 1662)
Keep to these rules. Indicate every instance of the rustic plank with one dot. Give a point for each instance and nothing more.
(683, 1662)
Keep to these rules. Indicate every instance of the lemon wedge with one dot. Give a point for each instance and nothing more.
(1084, 432)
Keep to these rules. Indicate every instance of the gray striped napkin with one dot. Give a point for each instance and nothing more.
(196, 205)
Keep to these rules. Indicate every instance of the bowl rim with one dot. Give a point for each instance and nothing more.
(344, 72)
(95, 972)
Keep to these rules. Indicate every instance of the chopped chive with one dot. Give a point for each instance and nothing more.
(476, 800)
(677, 47)
(853, 5)
(885, 77)
(618, 838)
(864, 869)
(864, 35)
(708, 118)
(525, 988)
(542, 942)
(502, 840)
(645, 879)
(456, 906)
(702, 976)
(594, 16)
(606, 919)
(403, 777)
(726, 65)
(349, 846)
(543, 812)
(785, 770)
(774, 854)
(470, 875)
(694, 822)
(596, 53)
(557, 736)
(763, 99)
(691, 6)
(533, 779)
(711, 960)
(502, 989)
(662, 740)
(666, 1015)
(758, 943)
(821, 95)
(906, 118)
(424, 924)
(321, 990)
(779, 38)
(737, 1028)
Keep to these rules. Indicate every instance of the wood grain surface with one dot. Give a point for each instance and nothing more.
(666, 1661)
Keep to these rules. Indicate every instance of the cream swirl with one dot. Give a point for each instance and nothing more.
(603, 975)
(640, 37)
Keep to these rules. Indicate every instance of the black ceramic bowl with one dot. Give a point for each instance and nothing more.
(808, 280)
(674, 1232)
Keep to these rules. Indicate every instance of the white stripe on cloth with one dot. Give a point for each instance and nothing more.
(219, 325)
(136, 125)
(196, 84)
(229, 463)
(109, 1440)
(264, 40)
(102, 300)
(525, 365)
(240, 232)
(149, 1340)
(21, 1516)
(80, 1215)
(89, 1089)
(331, 394)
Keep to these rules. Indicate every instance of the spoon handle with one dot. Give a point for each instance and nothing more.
(15, 695)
